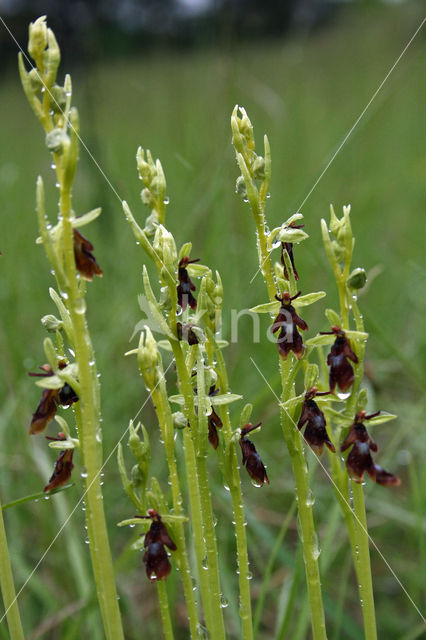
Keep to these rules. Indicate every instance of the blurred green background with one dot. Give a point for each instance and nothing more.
(305, 88)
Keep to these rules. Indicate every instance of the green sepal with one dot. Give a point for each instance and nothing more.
(311, 375)
(266, 307)
(219, 400)
(333, 318)
(65, 316)
(86, 218)
(383, 417)
(62, 444)
(185, 250)
(245, 415)
(356, 335)
(198, 270)
(362, 400)
(320, 341)
(309, 298)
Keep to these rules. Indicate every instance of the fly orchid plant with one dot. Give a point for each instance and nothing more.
(339, 430)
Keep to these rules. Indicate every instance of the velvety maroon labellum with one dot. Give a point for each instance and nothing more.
(84, 258)
(315, 432)
(186, 286)
(185, 332)
(156, 560)
(50, 399)
(341, 371)
(251, 459)
(359, 460)
(287, 321)
(63, 468)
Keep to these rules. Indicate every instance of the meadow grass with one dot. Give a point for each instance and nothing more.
(306, 94)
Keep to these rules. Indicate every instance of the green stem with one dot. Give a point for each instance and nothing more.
(363, 563)
(162, 408)
(358, 528)
(165, 610)
(304, 504)
(201, 510)
(8, 588)
(88, 420)
(291, 436)
(235, 488)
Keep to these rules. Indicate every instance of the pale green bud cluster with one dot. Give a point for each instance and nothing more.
(154, 193)
(243, 141)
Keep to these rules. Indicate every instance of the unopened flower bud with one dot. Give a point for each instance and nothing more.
(240, 187)
(37, 41)
(56, 140)
(58, 98)
(357, 278)
(258, 168)
(35, 80)
(179, 420)
(147, 198)
(137, 477)
(339, 251)
(51, 323)
(148, 357)
(51, 58)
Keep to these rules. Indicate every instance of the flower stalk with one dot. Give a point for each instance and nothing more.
(253, 169)
(73, 264)
(8, 587)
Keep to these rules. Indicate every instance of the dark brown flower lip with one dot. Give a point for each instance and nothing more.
(157, 564)
(315, 432)
(63, 468)
(50, 399)
(250, 457)
(85, 261)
